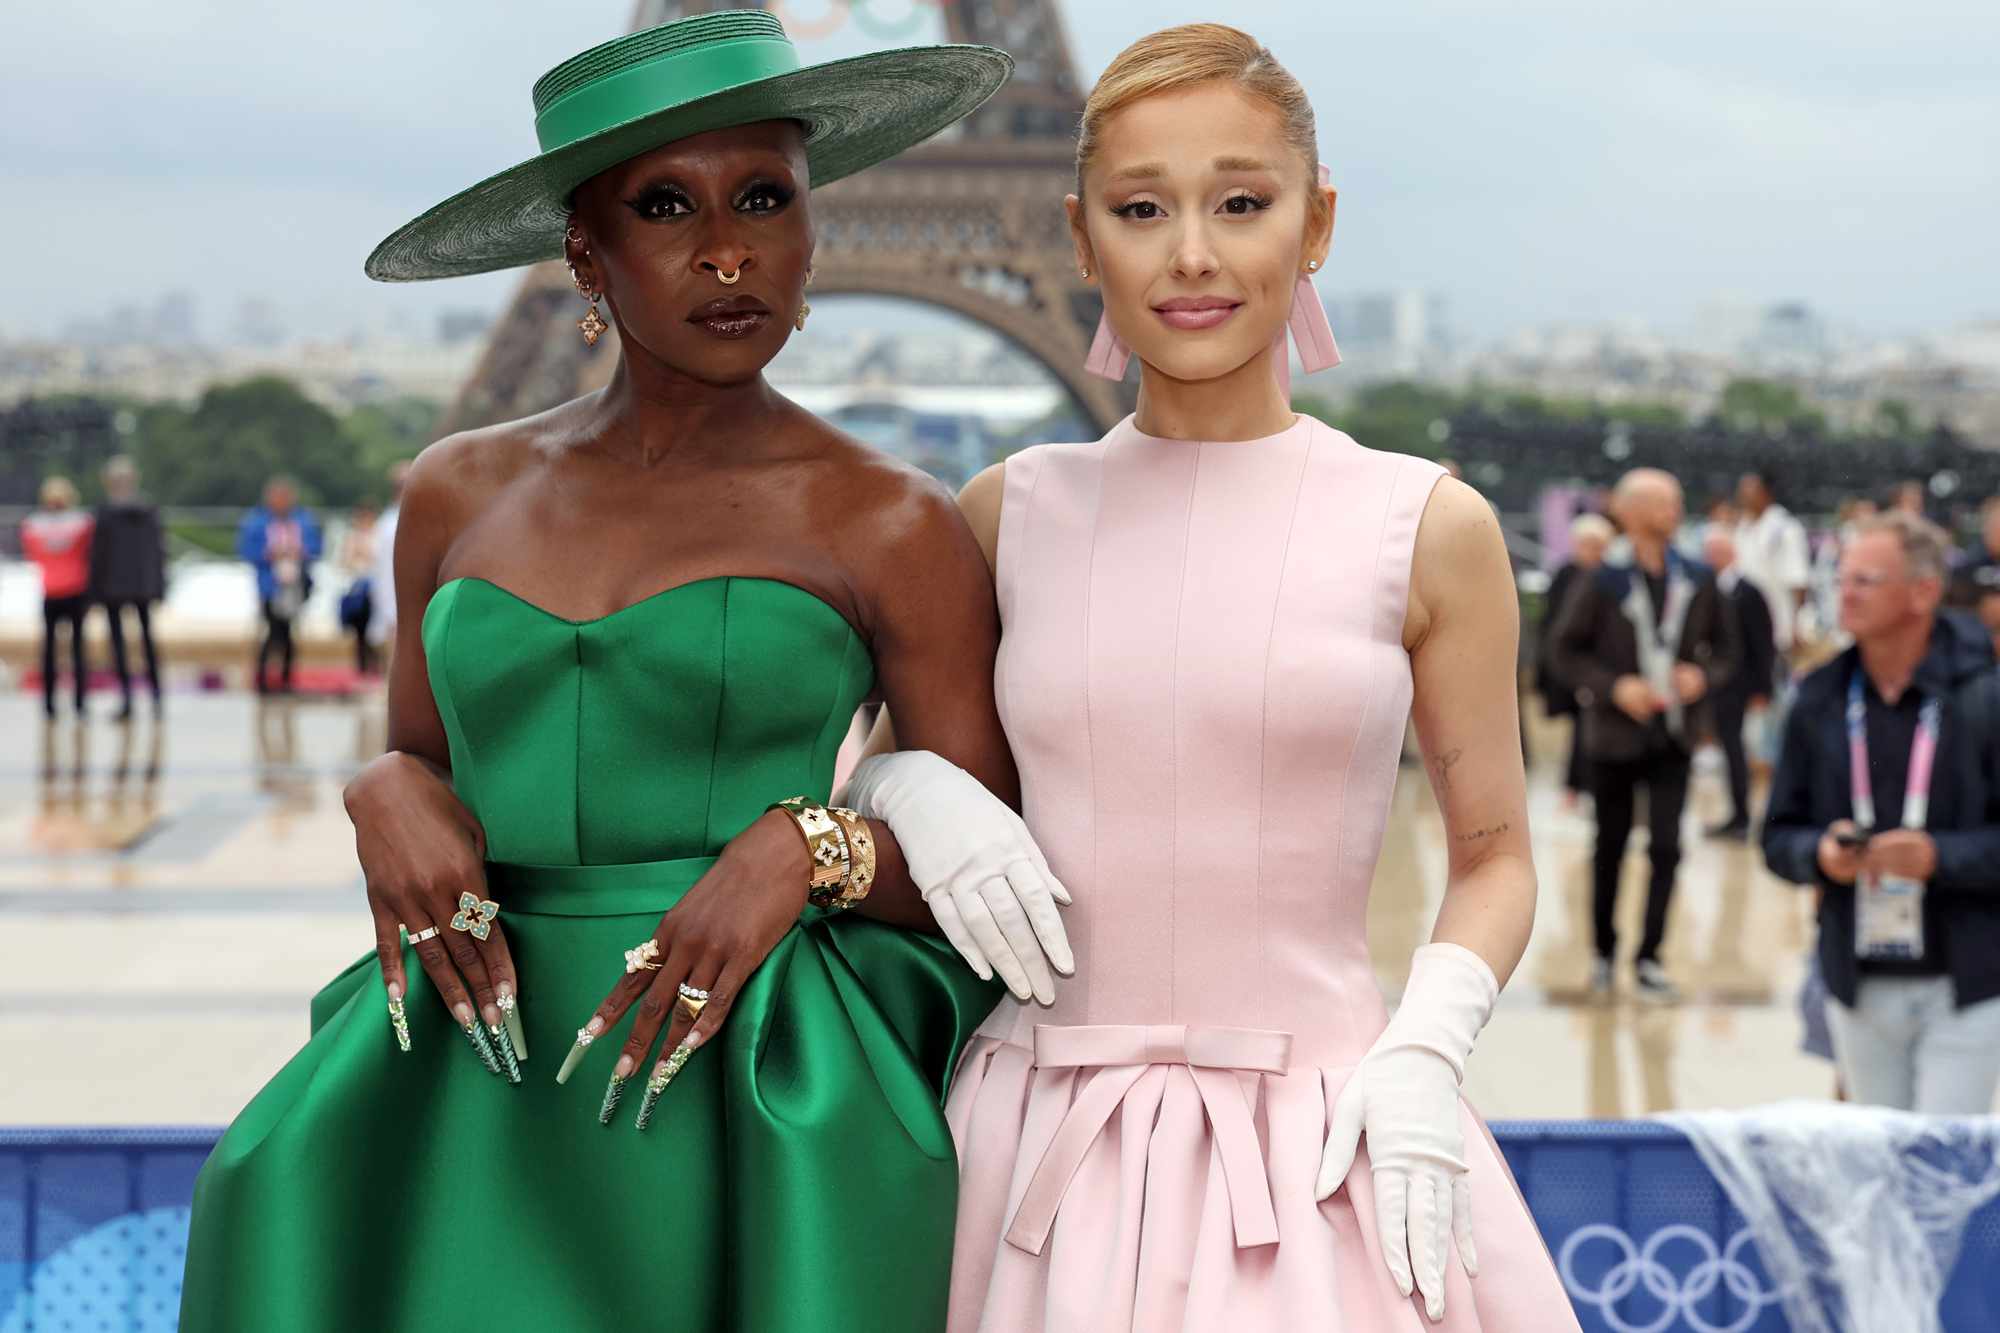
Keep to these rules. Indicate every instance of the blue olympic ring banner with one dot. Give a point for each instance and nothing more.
(93, 1231)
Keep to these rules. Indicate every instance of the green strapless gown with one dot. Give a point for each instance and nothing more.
(798, 1174)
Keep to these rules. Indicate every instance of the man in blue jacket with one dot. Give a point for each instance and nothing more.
(280, 539)
(1886, 799)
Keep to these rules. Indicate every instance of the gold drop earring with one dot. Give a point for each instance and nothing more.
(592, 325)
(805, 307)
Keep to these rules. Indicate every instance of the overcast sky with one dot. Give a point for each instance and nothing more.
(1530, 161)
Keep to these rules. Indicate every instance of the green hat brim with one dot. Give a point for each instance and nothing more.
(857, 112)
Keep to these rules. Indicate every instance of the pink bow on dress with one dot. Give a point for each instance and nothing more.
(1109, 355)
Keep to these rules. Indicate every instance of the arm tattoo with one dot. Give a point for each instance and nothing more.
(1442, 766)
(1478, 833)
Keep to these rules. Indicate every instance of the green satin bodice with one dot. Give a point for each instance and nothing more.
(682, 716)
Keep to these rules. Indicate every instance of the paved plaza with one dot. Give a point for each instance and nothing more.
(172, 893)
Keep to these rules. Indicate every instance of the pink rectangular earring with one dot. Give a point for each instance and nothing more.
(1108, 353)
(1308, 324)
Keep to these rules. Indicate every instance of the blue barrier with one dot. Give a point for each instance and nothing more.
(93, 1231)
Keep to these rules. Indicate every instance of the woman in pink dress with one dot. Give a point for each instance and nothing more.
(1216, 621)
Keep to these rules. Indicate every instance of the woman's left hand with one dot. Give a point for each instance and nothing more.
(712, 940)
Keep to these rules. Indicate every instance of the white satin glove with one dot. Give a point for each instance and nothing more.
(1404, 1096)
(972, 858)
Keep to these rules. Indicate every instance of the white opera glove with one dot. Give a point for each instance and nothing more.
(1404, 1097)
(972, 858)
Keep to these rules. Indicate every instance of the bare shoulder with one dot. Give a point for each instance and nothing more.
(1460, 560)
(463, 472)
(897, 506)
(980, 501)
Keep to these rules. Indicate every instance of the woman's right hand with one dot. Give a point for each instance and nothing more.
(422, 853)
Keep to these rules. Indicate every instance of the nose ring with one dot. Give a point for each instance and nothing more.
(729, 279)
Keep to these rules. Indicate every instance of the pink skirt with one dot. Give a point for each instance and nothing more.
(1154, 1179)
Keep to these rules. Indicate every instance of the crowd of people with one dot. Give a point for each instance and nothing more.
(1859, 669)
(113, 557)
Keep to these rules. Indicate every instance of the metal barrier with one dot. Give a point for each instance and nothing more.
(93, 1231)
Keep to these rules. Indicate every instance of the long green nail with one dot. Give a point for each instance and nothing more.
(477, 1036)
(399, 1021)
(506, 1050)
(515, 1032)
(584, 1036)
(663, 1074)
(612, 1092)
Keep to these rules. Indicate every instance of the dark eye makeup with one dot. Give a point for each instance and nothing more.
(660, 201)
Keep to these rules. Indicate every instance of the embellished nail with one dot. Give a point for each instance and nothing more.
(506, 1052)
(584, 1036)
(399, 1021)
(612, 1092)
(663, 1074)
(477, 1036)
(509, 1009)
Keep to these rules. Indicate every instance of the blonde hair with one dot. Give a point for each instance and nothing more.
(1591, 525)
(1195, 53)
(1926, 548)
(59, 491)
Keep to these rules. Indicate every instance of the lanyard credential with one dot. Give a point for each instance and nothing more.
(1923, 757)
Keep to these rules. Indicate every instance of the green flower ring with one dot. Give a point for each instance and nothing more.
(475, 916)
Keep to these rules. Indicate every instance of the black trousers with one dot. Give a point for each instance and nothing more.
(277, 643)
(1614, 789)
(1728, 710)
(1577, 776)
(56, 611)
(115, 613)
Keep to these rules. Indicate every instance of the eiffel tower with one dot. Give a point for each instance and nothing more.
(971, 221)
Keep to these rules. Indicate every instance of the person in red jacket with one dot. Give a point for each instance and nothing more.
(57, 538)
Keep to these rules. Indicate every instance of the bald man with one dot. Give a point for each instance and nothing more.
(1642, 643)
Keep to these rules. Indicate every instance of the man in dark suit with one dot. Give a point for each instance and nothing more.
(1589, 538)
(1749, 687)
(1642, 642)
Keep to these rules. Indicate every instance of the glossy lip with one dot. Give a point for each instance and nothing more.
(731, 317)
(728, 305)
(1196, 312)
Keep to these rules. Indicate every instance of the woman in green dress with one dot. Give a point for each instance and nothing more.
(630, 626)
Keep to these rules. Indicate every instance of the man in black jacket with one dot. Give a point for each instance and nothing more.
(1642, 644)
(1749, 687)
(128, 567)
(1903, 847)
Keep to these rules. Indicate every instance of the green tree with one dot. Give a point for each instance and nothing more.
(1402, 416)
(385, 433)
(238, 437)
(1755, 405)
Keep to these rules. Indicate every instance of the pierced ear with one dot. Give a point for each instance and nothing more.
(1086, 256)
(1319, 228)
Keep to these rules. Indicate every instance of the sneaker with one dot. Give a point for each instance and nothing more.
(1600, 980)
(1654, 988)
(1734, 830)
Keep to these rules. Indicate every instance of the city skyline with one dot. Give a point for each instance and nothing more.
(1552, 164)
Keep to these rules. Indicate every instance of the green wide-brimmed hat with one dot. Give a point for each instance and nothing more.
(707, 72)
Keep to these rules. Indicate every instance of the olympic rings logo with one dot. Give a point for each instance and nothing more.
(1679, 1298)
(886, 29)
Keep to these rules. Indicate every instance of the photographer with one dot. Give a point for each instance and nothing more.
(1887, 798)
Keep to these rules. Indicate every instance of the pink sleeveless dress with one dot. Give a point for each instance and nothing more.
(1203, 679)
